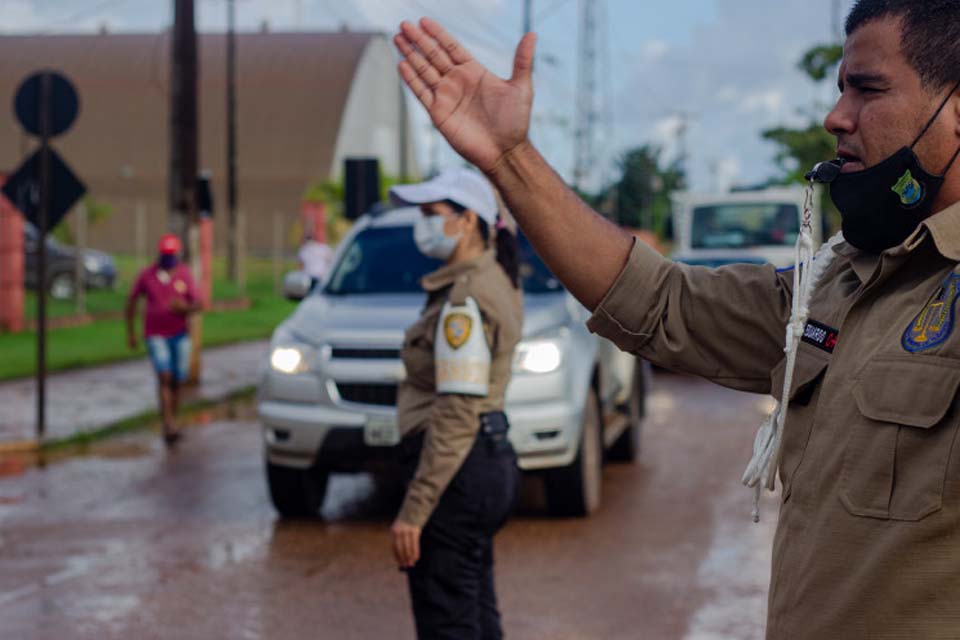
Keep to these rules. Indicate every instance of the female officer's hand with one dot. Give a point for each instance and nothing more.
(406, 544)
(481, 115)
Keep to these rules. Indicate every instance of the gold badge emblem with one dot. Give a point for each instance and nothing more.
(456, 328)
(180, 286)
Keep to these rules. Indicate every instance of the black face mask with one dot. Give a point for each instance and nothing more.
(881, 206)
(167, 262)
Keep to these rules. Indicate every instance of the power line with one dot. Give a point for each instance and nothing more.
(81, 16)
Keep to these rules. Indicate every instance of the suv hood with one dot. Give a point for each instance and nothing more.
(382, 319)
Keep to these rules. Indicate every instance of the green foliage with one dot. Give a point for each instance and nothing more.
(97, 212)
(798, 150)
(642, 194)
(819, 61)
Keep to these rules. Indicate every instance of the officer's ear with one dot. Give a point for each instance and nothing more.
(470, 220)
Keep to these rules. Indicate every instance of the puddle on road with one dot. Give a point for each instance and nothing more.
(138, 442)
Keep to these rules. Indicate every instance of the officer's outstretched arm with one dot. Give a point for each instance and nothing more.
(487, 119)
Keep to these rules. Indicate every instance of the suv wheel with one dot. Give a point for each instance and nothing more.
(297, 493)
(627, 445)
(575, 490)
(61, 286)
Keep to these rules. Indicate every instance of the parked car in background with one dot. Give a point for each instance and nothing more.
(328, 392)
(99, 268)
(747, 226)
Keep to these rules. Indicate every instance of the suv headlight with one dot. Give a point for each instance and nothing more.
(289, 360)
(539, 355)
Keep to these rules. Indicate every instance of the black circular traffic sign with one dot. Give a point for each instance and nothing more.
(64, 103)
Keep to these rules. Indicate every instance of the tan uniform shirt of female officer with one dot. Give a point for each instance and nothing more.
(451, 421)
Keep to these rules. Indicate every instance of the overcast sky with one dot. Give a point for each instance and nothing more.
(728, 65)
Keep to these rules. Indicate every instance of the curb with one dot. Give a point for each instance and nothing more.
(126, 425)
(19, 446)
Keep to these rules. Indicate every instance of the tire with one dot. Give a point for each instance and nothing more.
(626, 447)
(297, 493)
(575, 490)
(61, 286)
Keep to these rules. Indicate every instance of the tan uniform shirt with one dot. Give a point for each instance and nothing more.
(868, 540)
(451, 421)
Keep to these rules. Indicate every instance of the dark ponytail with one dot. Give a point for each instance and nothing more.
(506, 244)
(506, 248)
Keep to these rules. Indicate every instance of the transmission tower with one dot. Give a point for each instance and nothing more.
(586, 94)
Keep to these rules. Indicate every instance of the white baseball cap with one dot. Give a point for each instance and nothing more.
(466, 187)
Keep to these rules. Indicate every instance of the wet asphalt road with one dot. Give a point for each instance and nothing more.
(127, 540)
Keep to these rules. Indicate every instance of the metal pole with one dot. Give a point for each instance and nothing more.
(277, 249)
(79, 268)
(141, 233)
(233, 268)
(46, 91)
(183, 122)
(527, 16)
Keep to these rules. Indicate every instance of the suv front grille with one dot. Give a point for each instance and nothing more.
(384, 395)
(351, 353)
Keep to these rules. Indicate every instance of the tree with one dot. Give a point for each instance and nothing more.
(641, 197)
(798, 150)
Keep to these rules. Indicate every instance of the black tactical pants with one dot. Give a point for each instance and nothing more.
(452, 584)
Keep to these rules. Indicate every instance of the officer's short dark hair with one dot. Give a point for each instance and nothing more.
(931, 35)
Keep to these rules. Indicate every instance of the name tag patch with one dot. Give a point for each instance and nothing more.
(820, 336)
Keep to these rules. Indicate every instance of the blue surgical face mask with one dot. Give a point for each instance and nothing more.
(431, 240)
(167, 262)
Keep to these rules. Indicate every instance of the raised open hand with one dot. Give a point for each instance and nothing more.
(481, 115)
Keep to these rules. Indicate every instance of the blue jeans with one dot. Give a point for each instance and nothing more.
(170, 355)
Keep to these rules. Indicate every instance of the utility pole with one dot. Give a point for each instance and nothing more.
(233, 261)
(527, 16)
(586, 95)
(183, 123)
(683, 127)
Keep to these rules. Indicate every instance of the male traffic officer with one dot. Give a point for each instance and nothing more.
(868, 541)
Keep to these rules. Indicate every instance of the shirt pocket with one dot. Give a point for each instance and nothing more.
(895, 461)
(807, 374)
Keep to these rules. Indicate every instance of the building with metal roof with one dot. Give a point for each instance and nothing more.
(305, 101)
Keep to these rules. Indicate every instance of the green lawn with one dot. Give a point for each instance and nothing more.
(105, 340)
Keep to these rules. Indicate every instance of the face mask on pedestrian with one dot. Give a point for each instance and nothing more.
(431, 239)
(167, 261)
(881, 206)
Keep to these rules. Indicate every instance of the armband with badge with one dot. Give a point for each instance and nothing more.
(462, 355)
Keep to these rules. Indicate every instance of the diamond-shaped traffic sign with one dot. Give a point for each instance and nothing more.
(23, 189)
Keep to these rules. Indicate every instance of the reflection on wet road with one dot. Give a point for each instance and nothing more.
(130, 541)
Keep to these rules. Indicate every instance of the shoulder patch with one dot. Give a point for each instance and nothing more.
(462, 355)
(934, 324)
(457, 328)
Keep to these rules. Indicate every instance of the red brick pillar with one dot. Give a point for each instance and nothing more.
(206, 260)
(11, 266)
(313, 219)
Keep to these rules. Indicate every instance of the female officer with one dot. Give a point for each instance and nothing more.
(458, 356)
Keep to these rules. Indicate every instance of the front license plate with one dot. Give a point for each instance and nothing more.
(381, 431)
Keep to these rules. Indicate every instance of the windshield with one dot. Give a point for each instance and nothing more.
(386, 260)
(735, 226)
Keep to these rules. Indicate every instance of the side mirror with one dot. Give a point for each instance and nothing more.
(297, 285)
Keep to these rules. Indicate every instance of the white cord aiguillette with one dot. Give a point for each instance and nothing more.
(762, 470)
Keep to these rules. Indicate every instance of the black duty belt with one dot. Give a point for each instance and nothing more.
(494, 423)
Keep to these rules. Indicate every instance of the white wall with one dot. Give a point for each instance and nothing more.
(372, 116)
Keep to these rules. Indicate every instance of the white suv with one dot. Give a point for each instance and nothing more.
(331, 382)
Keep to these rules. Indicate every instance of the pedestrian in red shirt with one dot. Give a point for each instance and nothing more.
(171, 297)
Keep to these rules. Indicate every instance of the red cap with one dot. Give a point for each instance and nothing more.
(169, 244)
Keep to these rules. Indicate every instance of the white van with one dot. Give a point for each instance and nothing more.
(756, 227)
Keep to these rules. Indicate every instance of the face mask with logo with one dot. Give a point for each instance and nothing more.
(881, 206)
(431, 240)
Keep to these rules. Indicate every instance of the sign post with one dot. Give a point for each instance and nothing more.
(44, 189)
